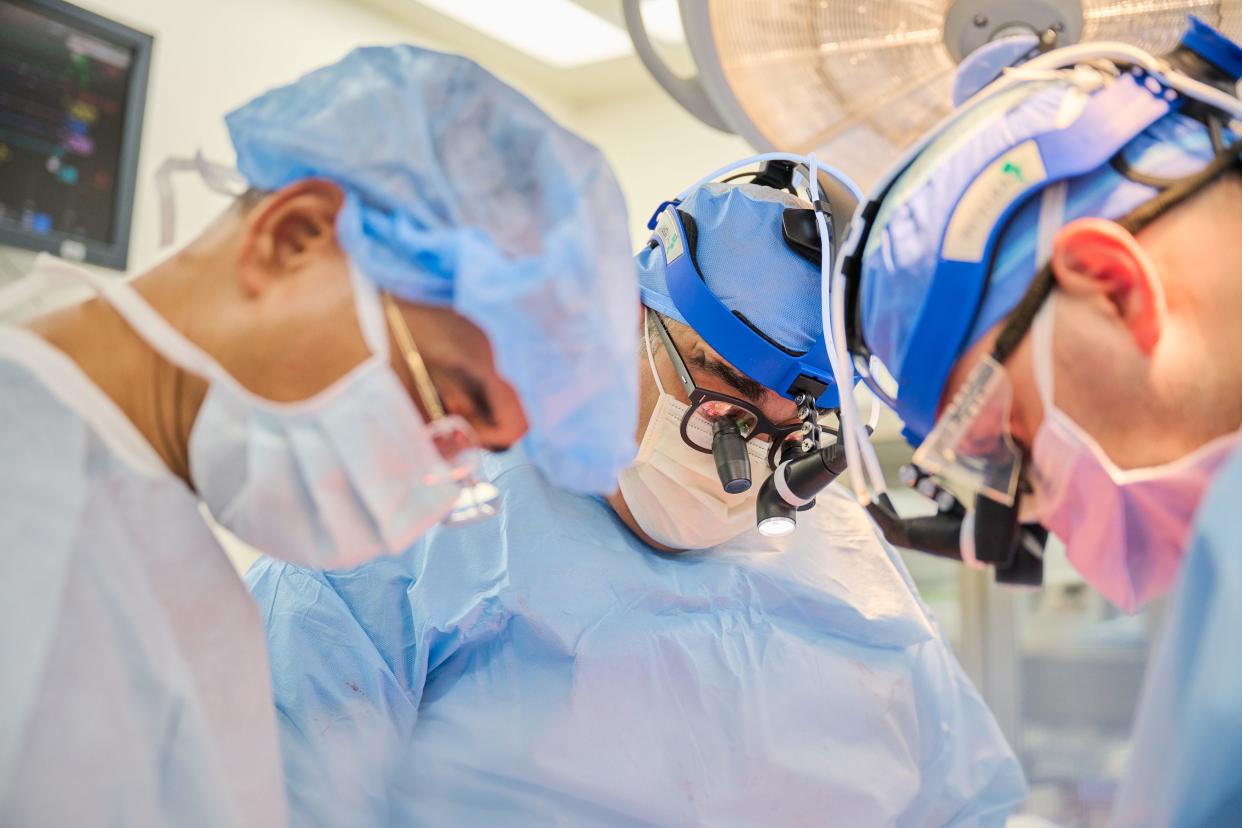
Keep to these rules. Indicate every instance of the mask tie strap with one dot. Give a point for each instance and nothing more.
(45, 276)
(217, 177)
(157, 331)
(1051, 219)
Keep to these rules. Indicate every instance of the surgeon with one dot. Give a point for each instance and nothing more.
(424, 265)
(557, 667)
(1051, 279)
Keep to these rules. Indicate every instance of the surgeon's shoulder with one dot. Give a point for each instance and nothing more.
(296, 597)
(33, 419)
(510, 464)
(275, 582)
(1224, 491)
(1218, 523)
(46, 450)
(522, 485)
(44, 492)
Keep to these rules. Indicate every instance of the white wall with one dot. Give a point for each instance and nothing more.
(655, 147)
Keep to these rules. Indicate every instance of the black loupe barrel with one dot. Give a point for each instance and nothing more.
(732, 460)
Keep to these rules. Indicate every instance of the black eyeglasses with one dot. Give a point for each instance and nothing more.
(711, 410)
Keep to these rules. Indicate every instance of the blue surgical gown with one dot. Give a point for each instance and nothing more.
(1186, 761)
(547, 668)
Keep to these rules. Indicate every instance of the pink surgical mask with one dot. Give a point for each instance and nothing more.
(1124, 530)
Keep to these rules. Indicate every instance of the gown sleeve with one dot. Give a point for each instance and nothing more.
(343, 712)
(1186, 761)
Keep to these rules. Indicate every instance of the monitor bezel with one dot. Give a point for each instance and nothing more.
(115, 253)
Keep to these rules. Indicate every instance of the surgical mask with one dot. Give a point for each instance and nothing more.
(674, 491)
(1125, 530)
(330, 482)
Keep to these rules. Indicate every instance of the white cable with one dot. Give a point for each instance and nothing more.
(1067, 56)
(864, 461)
(873, 418)
(832, 172)
(871, 461)
(853, 436)
(824, 255)
(1070, 56)
(860, 454)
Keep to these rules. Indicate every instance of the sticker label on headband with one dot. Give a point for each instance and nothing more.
(987, 198)
(670, 239)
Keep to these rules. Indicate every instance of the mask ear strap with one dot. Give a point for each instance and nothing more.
(370, 310)
(1051, 218)
(1041, 343)
(647, 347)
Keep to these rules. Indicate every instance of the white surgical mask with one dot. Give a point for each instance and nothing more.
(1125, 530)
(329, 482)
(673, 490)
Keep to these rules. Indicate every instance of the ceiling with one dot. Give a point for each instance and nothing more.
(581, 85)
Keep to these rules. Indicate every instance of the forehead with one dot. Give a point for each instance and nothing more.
(694, 349)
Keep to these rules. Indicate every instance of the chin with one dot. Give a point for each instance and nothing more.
(630, 524)
(616, 501)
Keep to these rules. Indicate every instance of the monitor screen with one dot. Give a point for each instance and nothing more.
(72, 90)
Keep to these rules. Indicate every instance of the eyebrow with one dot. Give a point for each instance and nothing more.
(751, 390)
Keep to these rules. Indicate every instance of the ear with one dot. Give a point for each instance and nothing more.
(286, 230)
(1094, 256)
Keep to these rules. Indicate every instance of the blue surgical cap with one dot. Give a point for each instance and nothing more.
(904, 245)
(745, 262)
(988, 62)
(461, 192)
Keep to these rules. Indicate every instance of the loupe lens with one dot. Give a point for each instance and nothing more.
(457, 444)
(731, 456)
(478, 501)
(459, 448)
(701, 430)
